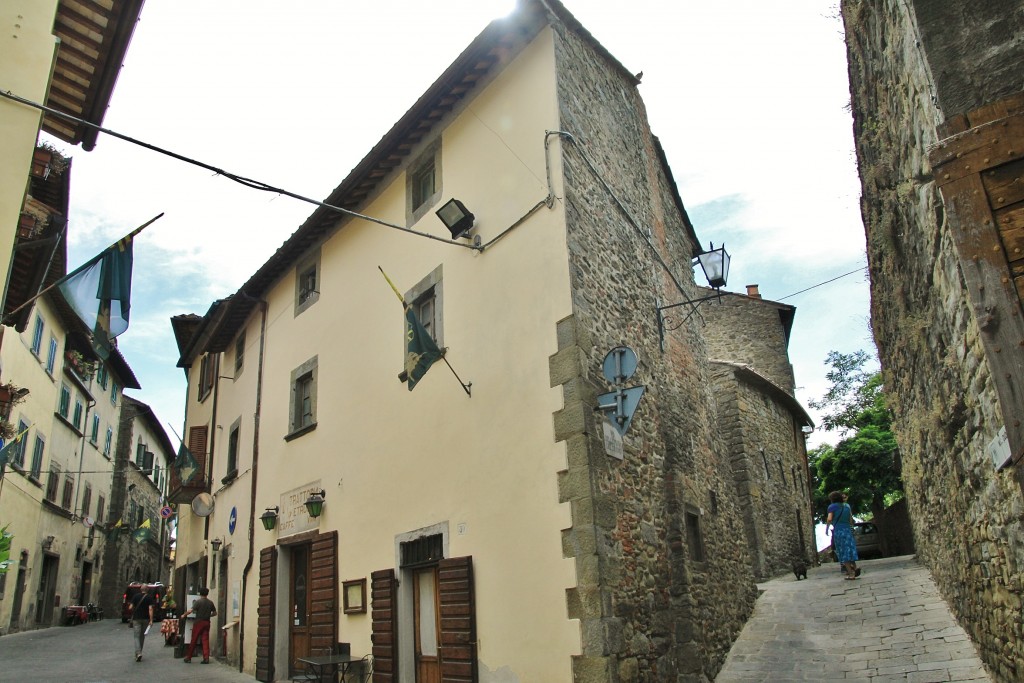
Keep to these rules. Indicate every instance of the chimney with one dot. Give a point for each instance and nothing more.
(752, 292)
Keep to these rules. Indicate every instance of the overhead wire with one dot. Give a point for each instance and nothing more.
(837, 277)
(242, 180)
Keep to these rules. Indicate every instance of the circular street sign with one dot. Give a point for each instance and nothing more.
(619, 365)
(166, 512)
(88, 521)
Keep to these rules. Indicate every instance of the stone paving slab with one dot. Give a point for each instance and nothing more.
(888, 625)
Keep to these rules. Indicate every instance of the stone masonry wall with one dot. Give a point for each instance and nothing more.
(966, 516)
(769, 466)
(663, 578)
(749, 330)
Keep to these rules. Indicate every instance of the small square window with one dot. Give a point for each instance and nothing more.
(423, 183)
(308, 281)
(239, 353)
(694, 540)
(302, 413)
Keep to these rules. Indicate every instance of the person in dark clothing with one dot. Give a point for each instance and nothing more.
(204, 609)
(143, 609)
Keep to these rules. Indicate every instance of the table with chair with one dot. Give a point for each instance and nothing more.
(336, 667)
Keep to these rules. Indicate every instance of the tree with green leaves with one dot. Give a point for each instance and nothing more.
(865, 462)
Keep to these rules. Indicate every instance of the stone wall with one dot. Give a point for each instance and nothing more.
(966, 516)
(663, 579)
(751, 331)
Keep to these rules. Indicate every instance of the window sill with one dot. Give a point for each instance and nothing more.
(299, 432)
(67, 423)
(229, 477)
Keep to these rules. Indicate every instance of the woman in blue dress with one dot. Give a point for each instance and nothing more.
(840, 518)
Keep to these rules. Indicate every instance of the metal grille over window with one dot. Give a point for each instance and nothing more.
(423, 551)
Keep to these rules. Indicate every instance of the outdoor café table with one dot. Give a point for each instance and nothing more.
(327, 667)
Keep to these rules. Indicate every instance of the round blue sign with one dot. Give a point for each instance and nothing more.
(232, 518)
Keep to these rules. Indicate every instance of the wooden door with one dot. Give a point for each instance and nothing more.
(428, 625)
(299, 606)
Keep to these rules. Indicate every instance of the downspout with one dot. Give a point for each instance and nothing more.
(210, 568)
(255, 472)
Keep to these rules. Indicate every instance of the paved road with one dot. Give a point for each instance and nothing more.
(889, 625)
(101, 652)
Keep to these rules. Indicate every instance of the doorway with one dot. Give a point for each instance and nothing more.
(299, 596)
(426, 618)
(47, 589)
(19, 592)
(85, 587)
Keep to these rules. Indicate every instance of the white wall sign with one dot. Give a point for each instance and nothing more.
(294, 518)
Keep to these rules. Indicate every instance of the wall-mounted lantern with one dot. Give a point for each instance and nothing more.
(269, 518)
(715, 264)
(315, 504)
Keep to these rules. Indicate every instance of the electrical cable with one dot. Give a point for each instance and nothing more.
(823, 283)
(242, 180)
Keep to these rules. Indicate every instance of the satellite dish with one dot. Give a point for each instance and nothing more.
(88, 521)
(202, 505)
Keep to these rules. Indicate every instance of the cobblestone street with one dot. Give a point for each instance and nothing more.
(889, 625)
(100, 652)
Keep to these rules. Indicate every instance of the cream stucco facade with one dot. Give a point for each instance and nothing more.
(481, 470)
(28, 47)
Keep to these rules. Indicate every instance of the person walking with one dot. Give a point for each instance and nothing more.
(143, 609)
(840, 518)
(204, 609)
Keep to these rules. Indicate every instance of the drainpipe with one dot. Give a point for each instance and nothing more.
(255, 471)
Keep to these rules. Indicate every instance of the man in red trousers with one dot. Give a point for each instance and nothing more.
(204, 609)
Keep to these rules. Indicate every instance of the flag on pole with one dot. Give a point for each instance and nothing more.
(113, 531)
(8, 450)
(421, 350)
(185, 464)
(100, 293)
(143, 532)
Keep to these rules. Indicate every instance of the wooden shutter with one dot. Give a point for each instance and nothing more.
(265, 615)
(384, 615)
(458, 621)
(323, 620)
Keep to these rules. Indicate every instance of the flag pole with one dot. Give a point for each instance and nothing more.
(465, 387)
(118, 243)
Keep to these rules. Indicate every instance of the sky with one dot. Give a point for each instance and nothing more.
(749, 98)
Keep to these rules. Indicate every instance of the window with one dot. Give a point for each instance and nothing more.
(65, 401)
(207, 373)
(51, 484)
(86, 500)
(694, 542)
(307, 282)
(239, 353)
(107, 442)
(51, 356)
(423, 183)
(101, 376)
(233, 451)
(428, 303)
(302, 417)
(101, 509)
(37, 457)
(140, 453)
(18, 456)
(113, 393)
(76, 418)
(37, 336)
(69, 489)
(95, 435)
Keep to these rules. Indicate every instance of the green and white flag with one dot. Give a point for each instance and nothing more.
(185, 464)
